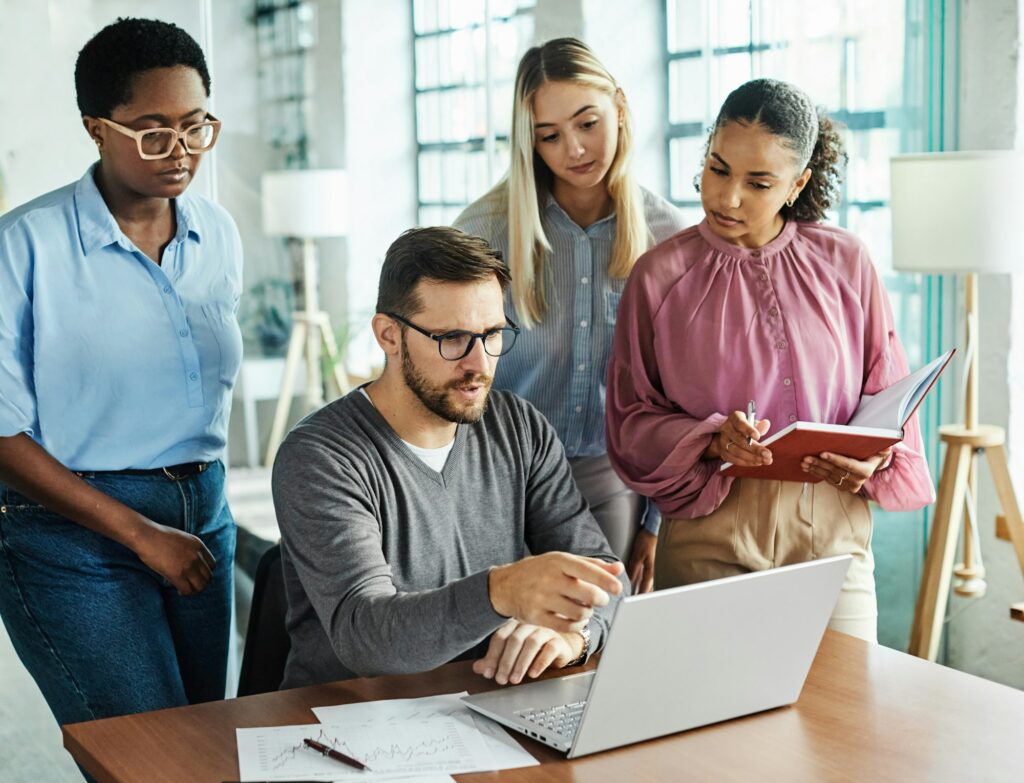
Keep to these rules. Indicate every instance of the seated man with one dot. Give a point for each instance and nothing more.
(409, 507)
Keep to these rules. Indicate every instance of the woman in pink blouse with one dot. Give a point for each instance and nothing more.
(760, 301)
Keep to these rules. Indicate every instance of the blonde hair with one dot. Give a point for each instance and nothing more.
(529, 178)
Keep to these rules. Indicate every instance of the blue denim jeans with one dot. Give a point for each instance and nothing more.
(100, 632)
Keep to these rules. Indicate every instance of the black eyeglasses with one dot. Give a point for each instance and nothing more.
(457, 344)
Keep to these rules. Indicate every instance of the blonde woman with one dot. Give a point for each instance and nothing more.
(571, 222)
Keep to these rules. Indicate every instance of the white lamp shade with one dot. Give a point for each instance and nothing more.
(305, 203)
(957, 211)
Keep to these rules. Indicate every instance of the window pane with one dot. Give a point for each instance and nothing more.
(427, 63)
(730, 23)
(456, 164)
(428, 118)
(728, 72)
(687, 160)
(688, 90)
(686, 25)
(424, 14)
(874, 228)
(868, 171)
(430, 176)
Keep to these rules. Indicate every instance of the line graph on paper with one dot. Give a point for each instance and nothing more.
(401, 747)
(504, 751)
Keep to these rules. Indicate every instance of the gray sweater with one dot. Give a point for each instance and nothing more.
(386, 561)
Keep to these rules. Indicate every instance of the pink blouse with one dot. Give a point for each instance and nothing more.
(802, 326)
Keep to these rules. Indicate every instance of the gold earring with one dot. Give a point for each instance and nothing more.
(789, 202)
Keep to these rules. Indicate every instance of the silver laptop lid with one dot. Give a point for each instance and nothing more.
(693, 655)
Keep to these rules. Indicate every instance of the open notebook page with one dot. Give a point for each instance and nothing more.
(891, 407)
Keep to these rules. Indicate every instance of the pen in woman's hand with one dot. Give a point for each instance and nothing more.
(751, 419)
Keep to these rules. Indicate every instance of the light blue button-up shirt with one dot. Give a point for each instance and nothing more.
(560, 365)
(108, 360)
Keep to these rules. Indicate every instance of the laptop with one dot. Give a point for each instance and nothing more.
(681, 658)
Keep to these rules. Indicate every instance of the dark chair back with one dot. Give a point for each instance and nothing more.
(266, 640)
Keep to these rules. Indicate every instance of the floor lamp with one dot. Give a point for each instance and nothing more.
(959, 212)
(306, 204)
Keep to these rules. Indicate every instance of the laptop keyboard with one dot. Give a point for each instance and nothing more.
(562, 719)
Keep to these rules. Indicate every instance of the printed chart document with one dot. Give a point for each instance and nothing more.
(505, 751)
(877, 423)
(392, 750)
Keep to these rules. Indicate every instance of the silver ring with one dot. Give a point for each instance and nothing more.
(846, 476)
(728, 446)
(840, 482)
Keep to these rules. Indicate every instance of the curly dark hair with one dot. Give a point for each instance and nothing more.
(785, 111)
(111, 59)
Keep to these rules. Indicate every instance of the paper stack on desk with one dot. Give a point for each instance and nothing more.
(395, 738)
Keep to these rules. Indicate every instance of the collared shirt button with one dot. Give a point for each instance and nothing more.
(581, 367)
(764, 277)
(167, 289)
(792, 417)
(781, 344)
(579, 408)
(194, 376)
(583, 324)
(183, 332)
(774, 311)
(787, 382)
(584, 280)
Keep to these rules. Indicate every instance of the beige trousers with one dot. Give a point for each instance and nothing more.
(764, 524)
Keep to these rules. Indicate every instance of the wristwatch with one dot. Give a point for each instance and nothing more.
(585, 633)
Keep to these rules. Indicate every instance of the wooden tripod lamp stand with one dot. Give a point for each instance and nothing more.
(959, 212)
(306, 204)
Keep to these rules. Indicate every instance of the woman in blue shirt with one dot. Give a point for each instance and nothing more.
(118, 350)
(571, 222)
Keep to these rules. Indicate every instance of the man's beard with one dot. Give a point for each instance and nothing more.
(438, 399)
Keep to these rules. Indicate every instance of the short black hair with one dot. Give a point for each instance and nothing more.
(117, 53)
(440, 254)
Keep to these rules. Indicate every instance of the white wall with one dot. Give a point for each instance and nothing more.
(47, 147)
(982, 638)
(241, 153)
(381, 150)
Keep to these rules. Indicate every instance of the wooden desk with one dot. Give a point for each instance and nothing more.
(866, 713)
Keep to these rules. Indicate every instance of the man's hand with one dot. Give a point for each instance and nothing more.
(641, 562)
(182, 559)
(555, 590)
(519, 649)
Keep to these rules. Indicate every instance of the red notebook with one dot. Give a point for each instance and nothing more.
(877, 423)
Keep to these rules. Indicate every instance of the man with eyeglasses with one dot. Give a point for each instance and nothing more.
(425, 518)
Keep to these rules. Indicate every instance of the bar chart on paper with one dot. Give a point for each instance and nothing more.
(404, 748)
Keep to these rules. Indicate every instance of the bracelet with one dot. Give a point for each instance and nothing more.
(585, 633)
